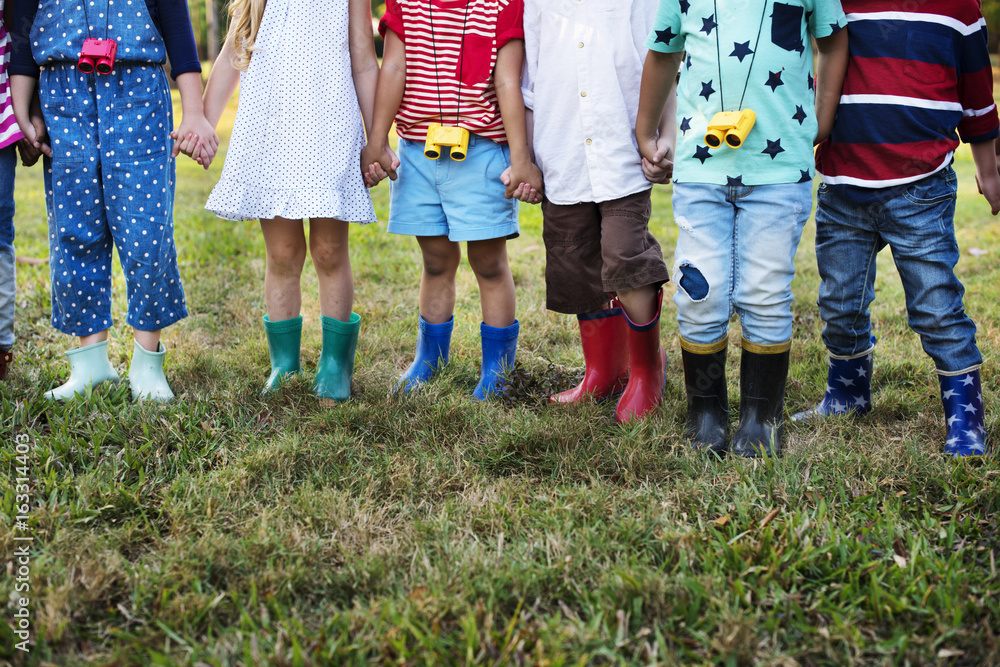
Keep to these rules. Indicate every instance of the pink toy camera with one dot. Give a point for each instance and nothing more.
(97, 54)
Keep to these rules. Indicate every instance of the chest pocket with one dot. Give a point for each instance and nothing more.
(926, 47)
(786, 27)
(476, 61)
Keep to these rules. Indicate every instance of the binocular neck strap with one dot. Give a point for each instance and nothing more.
(461, 49)
(718, 52)
(107, 18)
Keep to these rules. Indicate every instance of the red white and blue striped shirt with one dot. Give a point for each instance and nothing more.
(919, 78)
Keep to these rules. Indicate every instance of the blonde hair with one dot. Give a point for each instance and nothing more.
(244, 22)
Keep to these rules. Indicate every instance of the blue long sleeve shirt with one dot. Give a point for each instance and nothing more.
(170, 17)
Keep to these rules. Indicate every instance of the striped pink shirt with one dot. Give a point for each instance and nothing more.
(441, 87)
(9, 132)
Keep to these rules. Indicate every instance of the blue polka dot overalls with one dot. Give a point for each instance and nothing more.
(111, 176)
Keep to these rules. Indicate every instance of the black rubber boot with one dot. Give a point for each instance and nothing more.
(707, 425)
(763, 371)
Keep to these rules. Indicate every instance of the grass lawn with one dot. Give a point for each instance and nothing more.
(232, 529)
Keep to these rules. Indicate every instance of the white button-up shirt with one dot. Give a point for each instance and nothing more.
(583, 69)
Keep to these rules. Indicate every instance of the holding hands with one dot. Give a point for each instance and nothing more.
(378, 162)
(35, 143)
(524, 182)
(197, 139)
(658, 160)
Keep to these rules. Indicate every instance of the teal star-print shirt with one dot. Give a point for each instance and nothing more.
(726, 52)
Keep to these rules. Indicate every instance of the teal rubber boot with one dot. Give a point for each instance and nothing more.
(145, 375)
(88, 367)
(284, 339)
(336, 362)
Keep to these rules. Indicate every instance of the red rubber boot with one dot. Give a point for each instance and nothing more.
(604, 338)
(647, 360)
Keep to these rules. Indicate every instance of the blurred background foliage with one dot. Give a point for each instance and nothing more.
(210, 20)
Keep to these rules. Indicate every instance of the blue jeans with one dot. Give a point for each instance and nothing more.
(735, 254)
(917, 224)
(8, 159)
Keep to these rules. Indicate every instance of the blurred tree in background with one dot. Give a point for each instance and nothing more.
(210, 21)
(991, 10)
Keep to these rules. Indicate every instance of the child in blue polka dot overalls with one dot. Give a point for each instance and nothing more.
(110, 179)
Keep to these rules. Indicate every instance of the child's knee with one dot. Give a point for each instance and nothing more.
(489, 260)
(286, 257)
(328, 256)
(490, 268)
(442, 262)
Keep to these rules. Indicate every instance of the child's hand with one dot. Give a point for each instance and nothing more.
(660, 167)
(196, 126)
(190, 145)
(29, 154)
(36, 141)
(523, 192)
(378, 163)
(524, 182)
(989, 187)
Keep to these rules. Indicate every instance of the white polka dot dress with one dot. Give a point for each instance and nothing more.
(296, 145)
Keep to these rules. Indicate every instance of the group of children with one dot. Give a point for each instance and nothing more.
(580, 105)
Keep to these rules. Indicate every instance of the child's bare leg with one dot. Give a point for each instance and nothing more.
(92, 339)
(488, 260)
(639, 303)
(285, 244)
(437, 283)
(150, 340)
(328, 245)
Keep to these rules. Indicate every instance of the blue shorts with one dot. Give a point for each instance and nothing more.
(461, 200)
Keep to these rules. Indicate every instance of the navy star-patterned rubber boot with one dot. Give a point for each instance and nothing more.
(962, 397)
(848, 387)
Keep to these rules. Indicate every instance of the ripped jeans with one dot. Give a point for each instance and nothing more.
(735, 254)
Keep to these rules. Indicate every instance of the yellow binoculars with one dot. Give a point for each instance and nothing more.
(731, 127)
(438, 135)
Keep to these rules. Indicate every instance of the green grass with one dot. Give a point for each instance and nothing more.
(231, 529)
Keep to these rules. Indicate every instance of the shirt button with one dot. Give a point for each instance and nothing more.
(583, 94)
(590, 141)
(580, 45)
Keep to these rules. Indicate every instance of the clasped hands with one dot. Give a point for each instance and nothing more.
(523, 181)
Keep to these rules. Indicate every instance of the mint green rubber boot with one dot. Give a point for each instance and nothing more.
(145, 375)
(336, 362)
(284, 339)
(88, 367)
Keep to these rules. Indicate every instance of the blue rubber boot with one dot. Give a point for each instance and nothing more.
(433, 346)
(962, 396)
(499, 350)
(88, 367)
(145, 375)
(336, 361)
(848, 387)
(284, 339)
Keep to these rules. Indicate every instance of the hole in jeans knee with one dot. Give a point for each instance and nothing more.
(693, 282)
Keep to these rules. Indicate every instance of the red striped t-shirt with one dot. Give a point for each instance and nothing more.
(440, 86)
